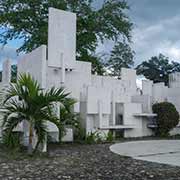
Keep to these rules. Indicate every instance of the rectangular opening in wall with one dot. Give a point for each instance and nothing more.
(119, 114)
(111, 116)
(119, 119)
(119, 133)
(13, 73)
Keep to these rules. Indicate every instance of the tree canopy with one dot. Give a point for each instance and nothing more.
(28, 19)
(121, 56)
(158, 68)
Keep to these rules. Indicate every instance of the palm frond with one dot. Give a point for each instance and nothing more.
(25, 100)
(12, 122)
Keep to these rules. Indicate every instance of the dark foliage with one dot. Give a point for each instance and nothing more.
(167, 117)
(158, 68)
(28, 20)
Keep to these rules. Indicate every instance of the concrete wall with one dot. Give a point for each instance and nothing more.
(174, 97)
(146, 102)
(98, 94)
(61, 38)
(76, 80)
(159, 92)
(129, 119)
(175, 131)
(174, 80)
(35, 64)
(147, 87)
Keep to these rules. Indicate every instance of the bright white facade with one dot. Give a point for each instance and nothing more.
(103, 102)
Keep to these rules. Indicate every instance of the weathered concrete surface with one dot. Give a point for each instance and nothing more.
(160, 151)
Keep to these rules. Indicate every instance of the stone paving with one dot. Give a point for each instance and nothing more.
(82, 162)
(160, 151)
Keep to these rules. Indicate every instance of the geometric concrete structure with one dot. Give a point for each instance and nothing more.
(6, 74)
(61, 34)
(104, 103)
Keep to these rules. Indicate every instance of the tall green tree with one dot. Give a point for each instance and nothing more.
(25, 100)
(158, 68)
(28, 20)
(121, 56)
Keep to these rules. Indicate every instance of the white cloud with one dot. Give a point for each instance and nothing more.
(174, 52)
(156, 29)
(7, 53)
(161, 37)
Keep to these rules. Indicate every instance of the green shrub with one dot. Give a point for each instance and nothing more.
(99, 137)
(79, 134)
(167, 117)
(109, 137)
(90, 138)
(95, 137)
(12, 140)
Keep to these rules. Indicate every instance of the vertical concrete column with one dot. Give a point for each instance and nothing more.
(100, 113)
(62, 68)
(44, 66)
(58, 108)
(113, 109)
(44, 145)
(6, 73)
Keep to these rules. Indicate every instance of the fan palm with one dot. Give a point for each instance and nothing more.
(25, 100)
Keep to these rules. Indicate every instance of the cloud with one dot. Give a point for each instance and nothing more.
(147, 12)
(161, 37)
(7, 53)
(156, 29)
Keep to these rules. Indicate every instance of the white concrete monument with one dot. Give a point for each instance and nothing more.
(104, 103)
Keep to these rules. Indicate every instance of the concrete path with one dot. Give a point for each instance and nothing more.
(160, 151)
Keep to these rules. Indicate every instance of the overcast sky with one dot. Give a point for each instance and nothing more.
(156, 30)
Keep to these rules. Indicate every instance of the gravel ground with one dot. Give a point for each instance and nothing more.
(85, 162)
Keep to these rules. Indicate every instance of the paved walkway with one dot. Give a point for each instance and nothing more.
(160, 151)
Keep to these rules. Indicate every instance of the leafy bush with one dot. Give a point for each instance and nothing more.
(99, 137)
(91, 138)
(109, 137)
(167, 117)
(79, 134)
(12, 140)
(95, 137)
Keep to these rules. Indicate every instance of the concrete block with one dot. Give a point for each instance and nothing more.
(68, 136)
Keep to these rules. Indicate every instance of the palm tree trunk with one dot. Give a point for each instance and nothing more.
(36, 147)
(30, 146)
